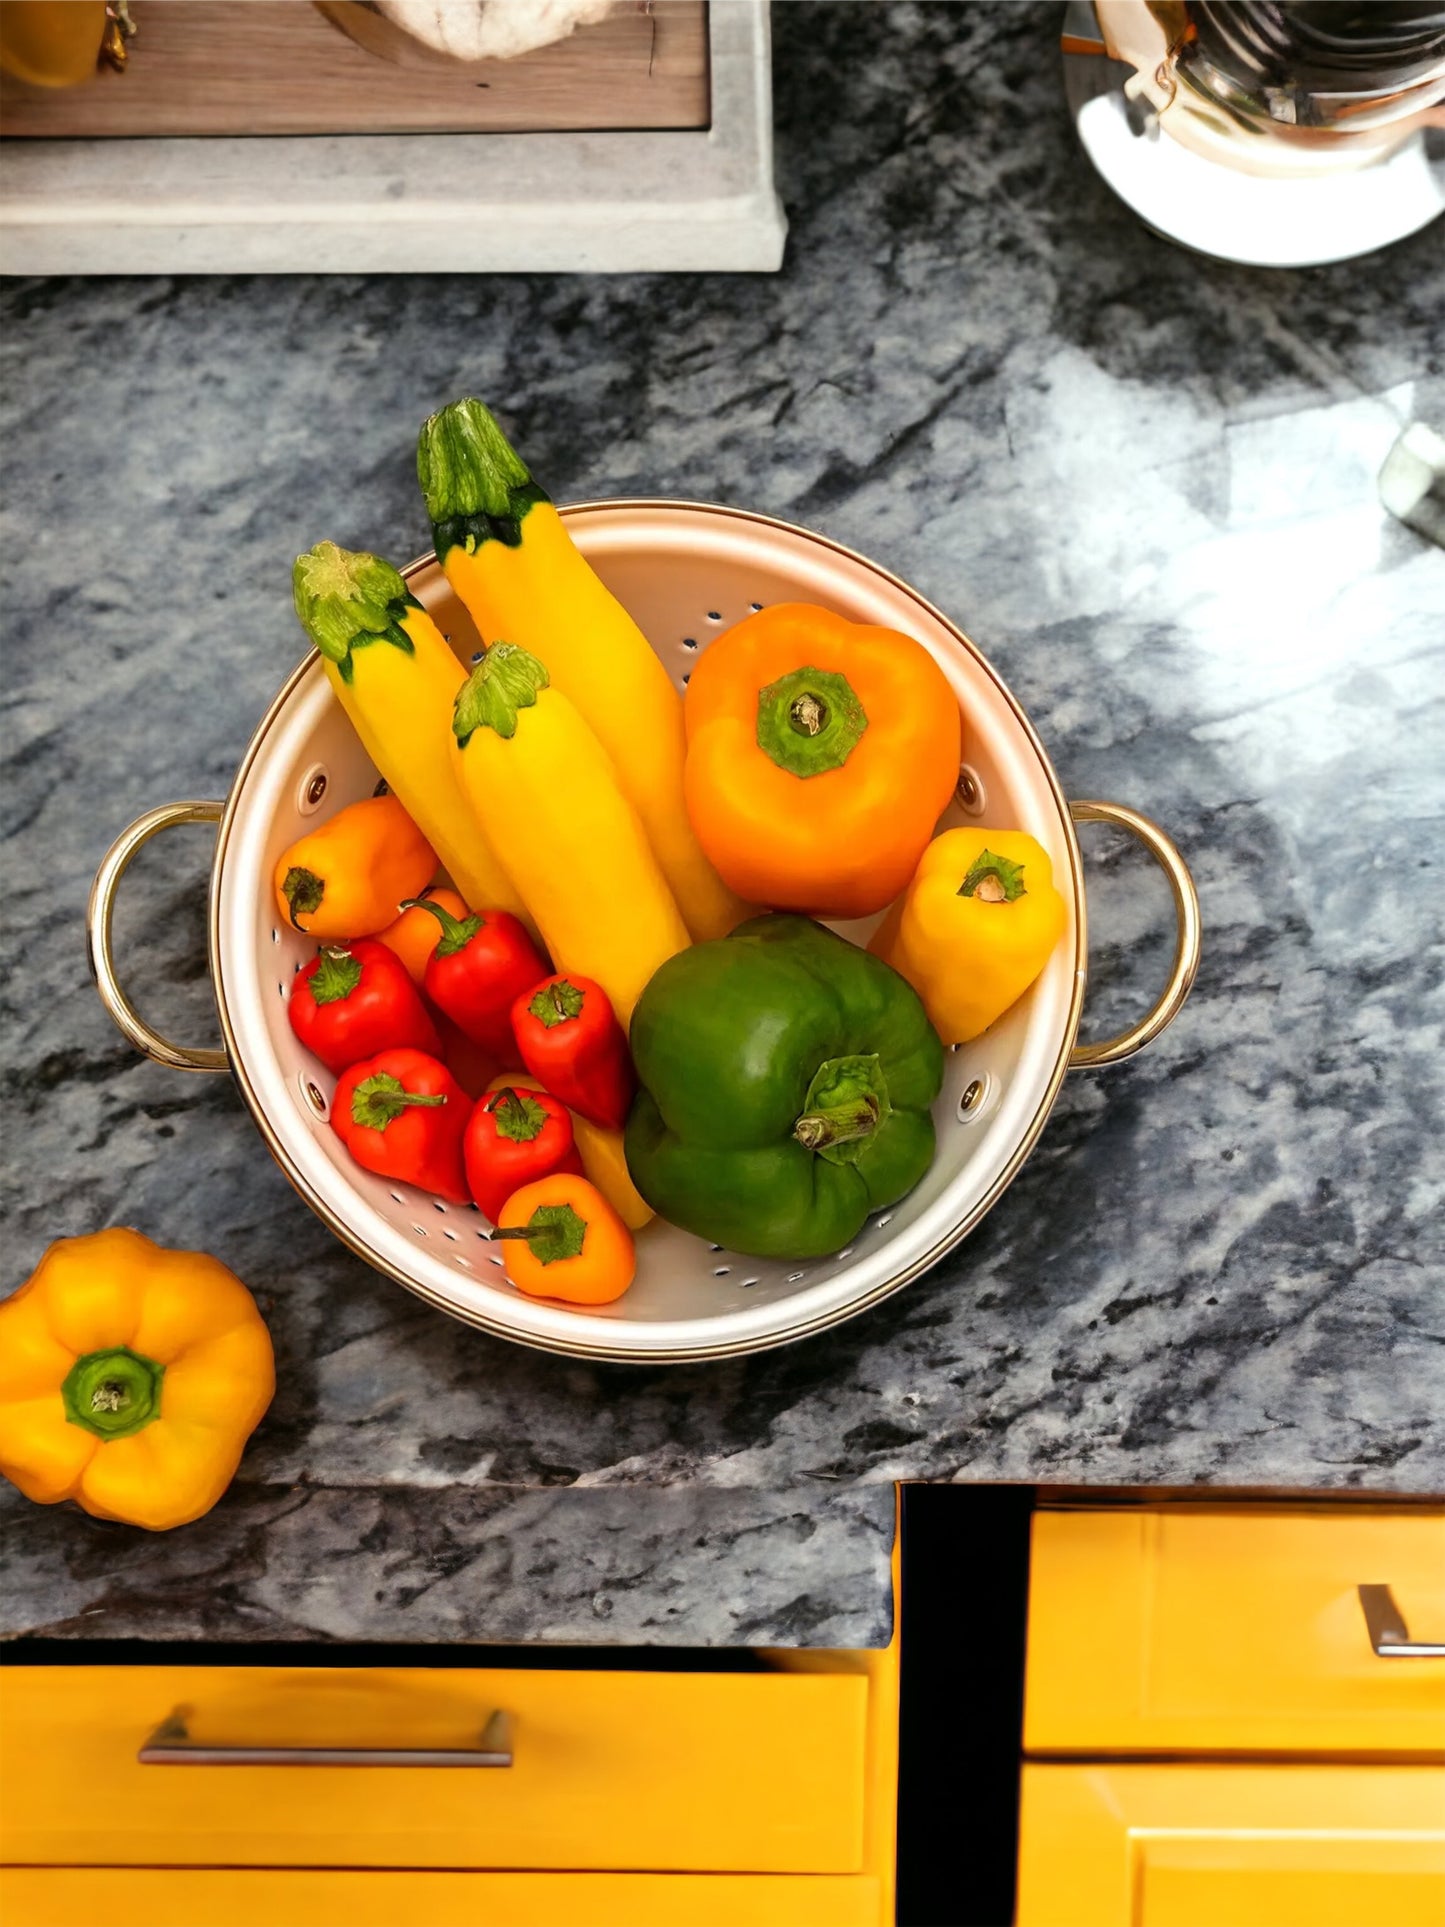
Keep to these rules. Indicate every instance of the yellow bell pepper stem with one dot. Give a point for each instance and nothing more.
(974, 928)
(130, 1379)
(571, 842)
(508, 555)
(397, 677)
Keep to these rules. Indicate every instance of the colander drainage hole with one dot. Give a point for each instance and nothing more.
(714, 1247)
(437, 1205)
(748, 1281)
(887, 1218)
(420, 1230)
(497, 1261)
(722, 1271)
(755, 606)
(465, 1263)
(796, 1277)
(453, 1237)
(397, 1198)
(275, 934)
(714, 615)
(846, 1252)
(689, 642)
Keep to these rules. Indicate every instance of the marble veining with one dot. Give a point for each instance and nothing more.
(1144, 483)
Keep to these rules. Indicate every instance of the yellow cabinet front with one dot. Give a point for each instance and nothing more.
(1198, 1629)
(727, 1772)
(1228, 1845)
(188, 1897)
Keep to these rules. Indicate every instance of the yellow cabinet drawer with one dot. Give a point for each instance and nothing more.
(1231, 1846)
(180, 1897)
(723, 1772)
(1240, 1629)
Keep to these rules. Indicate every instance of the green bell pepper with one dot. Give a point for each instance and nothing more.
(785, 1077)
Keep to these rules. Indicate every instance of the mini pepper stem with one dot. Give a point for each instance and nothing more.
(993, 879)
(378, 1100)
(113, 1393)
(553, 1231)
(457, 932)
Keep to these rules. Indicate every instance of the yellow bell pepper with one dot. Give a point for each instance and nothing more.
(508, 555)
(351, 877)
(396, 676)
(570, 840)
(130, 1379)
(974, 927)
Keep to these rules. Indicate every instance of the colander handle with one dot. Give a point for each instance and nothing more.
(1113, 1050)
(113, 866)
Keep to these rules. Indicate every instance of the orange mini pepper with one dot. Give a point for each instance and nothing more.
(130, 1379)
(565, 1241)
(414, 934)
(350, 877)
(821, 754)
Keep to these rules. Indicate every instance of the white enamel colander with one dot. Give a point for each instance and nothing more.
(686, 572)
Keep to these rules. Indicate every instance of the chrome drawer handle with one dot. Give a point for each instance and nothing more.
(172, 1745)
(1389, 1635)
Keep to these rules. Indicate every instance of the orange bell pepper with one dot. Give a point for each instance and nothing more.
(821, 754)
(130, 1379)
(350, 877)
(565, 1241)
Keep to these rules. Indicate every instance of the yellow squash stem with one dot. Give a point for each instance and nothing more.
(508, 555)
(570, 840)
(395, 675)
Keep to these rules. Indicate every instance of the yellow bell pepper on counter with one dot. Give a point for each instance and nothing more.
(508, 555)
(974, 927)
(570, 840)
(396, 676)
(130, 1379)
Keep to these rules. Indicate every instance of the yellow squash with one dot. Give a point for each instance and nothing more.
(570, 840)
(509, 557)
(395, 675)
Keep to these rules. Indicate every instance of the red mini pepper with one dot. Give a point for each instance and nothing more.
(403, 1115)
(355, 999)
(513, 1138)
(569, 1036)
(481, 965)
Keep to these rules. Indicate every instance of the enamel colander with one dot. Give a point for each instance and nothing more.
(686, 572)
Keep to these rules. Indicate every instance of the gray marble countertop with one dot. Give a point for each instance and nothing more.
(1144, 483)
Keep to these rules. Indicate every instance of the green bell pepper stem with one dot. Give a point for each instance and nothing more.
(840, 1124)
(113, 1393)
